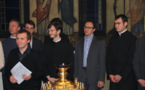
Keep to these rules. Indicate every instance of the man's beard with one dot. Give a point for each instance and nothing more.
(55, 35)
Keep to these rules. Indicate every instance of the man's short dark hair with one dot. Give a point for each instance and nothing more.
(25, 31)
(29, 22)
(54, 20)
(123, 17)
(56, 24)
(19, 24)
(94, 25)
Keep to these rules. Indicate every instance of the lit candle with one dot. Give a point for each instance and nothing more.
(77, 87)
(80, 85)
(47, 86)
(64, 85)
(43, 86)
(73, 87)
(56, 88)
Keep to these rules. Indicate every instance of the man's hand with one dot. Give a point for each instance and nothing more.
(25, 77)
(141, 82)
(117, 78)
(76, 79)
(112, 77)
(100, 84)
(12, 79)
(51, 79)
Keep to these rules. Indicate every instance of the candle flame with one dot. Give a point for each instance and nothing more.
(63, 64)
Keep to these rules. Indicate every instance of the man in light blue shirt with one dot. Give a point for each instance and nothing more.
(90, 59)
(87, 44)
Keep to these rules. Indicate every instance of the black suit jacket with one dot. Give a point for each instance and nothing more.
(139, 59)
(37, 45)
(33, 63)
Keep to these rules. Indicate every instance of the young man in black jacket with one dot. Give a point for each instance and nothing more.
(30, 59)
(58, 51)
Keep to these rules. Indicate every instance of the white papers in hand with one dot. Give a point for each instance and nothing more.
(18, 70)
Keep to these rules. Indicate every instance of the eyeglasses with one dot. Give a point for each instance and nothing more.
(88, 27)
(117, 23)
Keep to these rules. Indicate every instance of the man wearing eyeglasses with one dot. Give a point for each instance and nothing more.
(119, 57)
(90, 59)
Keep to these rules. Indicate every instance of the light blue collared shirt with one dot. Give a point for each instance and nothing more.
(87, 44)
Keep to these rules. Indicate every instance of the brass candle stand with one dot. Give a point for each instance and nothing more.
(63, 83)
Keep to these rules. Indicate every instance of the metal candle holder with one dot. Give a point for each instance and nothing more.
(63, 83)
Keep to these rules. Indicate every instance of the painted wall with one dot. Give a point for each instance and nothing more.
(138, 8)
(54, 12)
(32, 5)
(110, 13)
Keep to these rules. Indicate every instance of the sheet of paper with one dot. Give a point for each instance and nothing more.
(18, 70)
(1, 82)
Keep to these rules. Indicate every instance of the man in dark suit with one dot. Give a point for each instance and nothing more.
(35, 43)
(139, 63)
(30, 59)
(119, 56)
(90, 59)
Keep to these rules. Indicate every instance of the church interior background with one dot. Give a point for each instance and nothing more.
(103, 12)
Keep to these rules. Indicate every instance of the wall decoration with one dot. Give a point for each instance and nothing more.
(42, 14)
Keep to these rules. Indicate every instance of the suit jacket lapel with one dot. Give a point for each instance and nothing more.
(142, 51)
(82, 50)
(33, 42)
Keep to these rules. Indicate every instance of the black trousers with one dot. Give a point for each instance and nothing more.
(5, 82)
(140, 87)
(125, 84)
